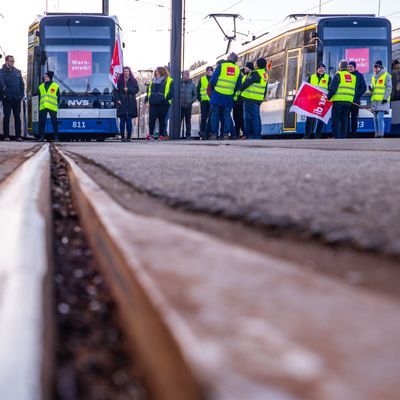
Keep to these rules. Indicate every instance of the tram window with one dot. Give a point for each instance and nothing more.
(347, 33)
(275, 86)
(309, 62)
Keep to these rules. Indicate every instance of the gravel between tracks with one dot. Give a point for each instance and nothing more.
(92, 363)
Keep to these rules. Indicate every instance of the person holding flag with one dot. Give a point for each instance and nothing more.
(320, 80)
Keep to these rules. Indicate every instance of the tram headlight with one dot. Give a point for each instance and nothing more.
(102, 104)
(108, 104)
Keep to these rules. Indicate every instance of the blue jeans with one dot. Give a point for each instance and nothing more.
(252, 120)
(223, 114)
(379, 123)
(125, 121)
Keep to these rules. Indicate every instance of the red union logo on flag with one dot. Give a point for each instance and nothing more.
(312, 102)
(116, 63)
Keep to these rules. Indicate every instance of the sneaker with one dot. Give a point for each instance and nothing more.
(149, 137)
(213, 137)
(166, 137)
(160, 138)
(243, 137)
(226, 137)
(7, 139)
(19, 139)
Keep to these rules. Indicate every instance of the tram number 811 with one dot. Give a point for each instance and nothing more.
(78, 125)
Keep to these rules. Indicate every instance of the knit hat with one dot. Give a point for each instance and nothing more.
(353, 63)
(379, 64)
(261, 63)
(321, 65)
(250, 65)
(50, 74)
(210, 68)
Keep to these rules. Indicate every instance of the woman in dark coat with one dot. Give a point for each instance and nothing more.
(127, 88)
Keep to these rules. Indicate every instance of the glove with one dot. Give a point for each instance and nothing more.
(384, 101)
(370, 88)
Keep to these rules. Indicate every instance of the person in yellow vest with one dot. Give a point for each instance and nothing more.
(321, 80)
(204, 99)
(49, 99)
(253, 92)
(159, 96)
(381, 88)
(224, 83)
(238, 114)
(342, 92)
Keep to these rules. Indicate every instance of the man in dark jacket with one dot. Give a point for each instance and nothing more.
(204, 99)
(361, 88)
(13, 93)
(253, 92)
(188, 97)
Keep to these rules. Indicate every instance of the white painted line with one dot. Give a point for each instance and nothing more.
(23, 266)
(249, 326)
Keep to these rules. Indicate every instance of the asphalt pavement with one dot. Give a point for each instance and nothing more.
(344, 191)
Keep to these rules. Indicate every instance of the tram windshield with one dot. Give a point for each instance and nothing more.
(79, 52)
(363, 40)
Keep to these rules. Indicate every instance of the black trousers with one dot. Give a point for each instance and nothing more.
(205, 117)
(310, 128)
(238, 118)
(15, 107)
(158, 112)
(340, 119)
(42, 123)
(354, 111)
(186, 115)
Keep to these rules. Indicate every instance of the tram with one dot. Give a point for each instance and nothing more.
(78, 48)
(396, 90)
(293, 54)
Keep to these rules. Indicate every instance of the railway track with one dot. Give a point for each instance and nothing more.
(193, 316)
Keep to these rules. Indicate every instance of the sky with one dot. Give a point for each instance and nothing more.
(146, 23)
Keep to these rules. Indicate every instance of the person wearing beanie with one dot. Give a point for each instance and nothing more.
(204, 99)
(238, 114)
(395, 81)
(381, 89)
(361, 88)
(253, 92)
(224, 83)
(320, 80)
(49, 99)
(341, 92)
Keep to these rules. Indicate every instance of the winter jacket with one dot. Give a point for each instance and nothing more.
(396, 83)
(157, 93)
(14, 87)
(377, 105)
(219, 99)
(1, 86)
(126, 100)
(361, 86)
(188, 93)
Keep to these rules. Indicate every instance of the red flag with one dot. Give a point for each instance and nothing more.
(312, 102)
(116, 62)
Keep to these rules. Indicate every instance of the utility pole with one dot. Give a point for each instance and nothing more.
(379, 8)
(106, 7)
(176, 68)
(320, 7)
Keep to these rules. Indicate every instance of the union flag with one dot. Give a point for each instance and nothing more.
(116, 62)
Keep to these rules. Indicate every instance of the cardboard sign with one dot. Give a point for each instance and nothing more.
(360, 56)
(79, 64)
(312, 102)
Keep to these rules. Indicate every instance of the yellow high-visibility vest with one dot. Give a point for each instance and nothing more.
(168, 84)
(379, 87)
(227, 79)
(322, 83)
(203, 89)
(237, 94)
(257, 90)
(347, 87)
(48, 99)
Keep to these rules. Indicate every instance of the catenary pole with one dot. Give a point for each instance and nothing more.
(106, 7)
(176, 67)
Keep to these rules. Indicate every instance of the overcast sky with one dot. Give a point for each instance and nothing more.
(145, 23)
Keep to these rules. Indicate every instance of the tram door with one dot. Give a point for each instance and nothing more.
(292, 82)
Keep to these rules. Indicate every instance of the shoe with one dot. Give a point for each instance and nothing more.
(7, 139)
(203, 136)
(56, 139)
(166, 137)
(226, 137)
(19, 139)
(243, 137)
(213, 137)
(160, 138)
(189, 138)
(149, 137)
(127, 140)
(123, 140)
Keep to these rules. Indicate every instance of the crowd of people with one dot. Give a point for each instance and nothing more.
(230, 99)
